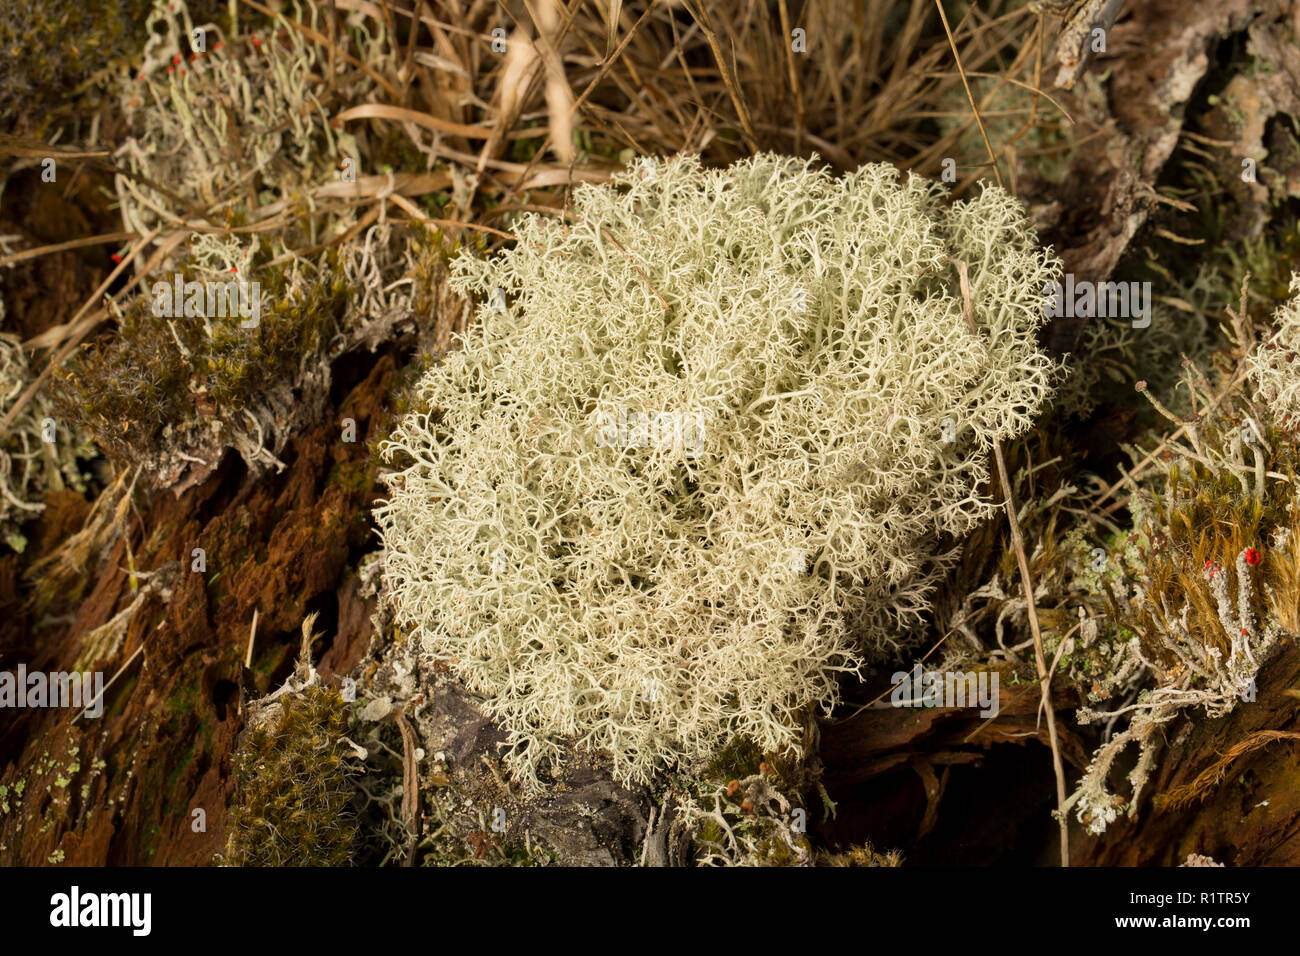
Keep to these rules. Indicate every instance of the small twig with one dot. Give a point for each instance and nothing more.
(1060, 650)
(1018, 545)
(252, 636)
(410, 208)
(621, 248)
(410, 788)
(104, 239)
(924, 657)
(120, 671)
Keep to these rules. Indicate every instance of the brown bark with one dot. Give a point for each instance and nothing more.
(122, 788)
(1226, 788)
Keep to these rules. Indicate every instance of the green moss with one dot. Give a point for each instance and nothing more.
(183, 701)
(51, 49)
(353, 475)
(395, 151)
(173, 779)
(863, 855)
(161, 374)
(739, 758)
(48, 46)
(524, 149)
(526, 856)
(710, 833)
(149, 837)
(293, 796)
(771, 851)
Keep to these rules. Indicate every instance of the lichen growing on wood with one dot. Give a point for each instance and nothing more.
(697, 461)
(232, 150)
(39, 452)
(1208, 581)
(50, 50)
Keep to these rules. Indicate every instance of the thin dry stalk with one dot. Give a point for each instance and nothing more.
(1026, 582)
(975, 110)
(1205, 781)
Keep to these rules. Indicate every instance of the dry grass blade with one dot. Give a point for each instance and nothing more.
(733, 88)
(559, 96)
(70, 244)
(10, 146)
(1205, 781)
(786, 31)
(614, 13)
(58, 334)
(612, 58)
(111, 681)
(970, 96)
(371, 187)
(1029, 87)
(1026, 582)
(409, 207)
(403, 115)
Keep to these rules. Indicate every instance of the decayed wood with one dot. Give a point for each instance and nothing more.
(1126, 130)
(1245, 811)
(123, 788)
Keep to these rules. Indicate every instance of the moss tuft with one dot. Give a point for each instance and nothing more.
(163, 384)
(293, 796)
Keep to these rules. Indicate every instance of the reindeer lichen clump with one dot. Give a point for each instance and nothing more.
(704, 452)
